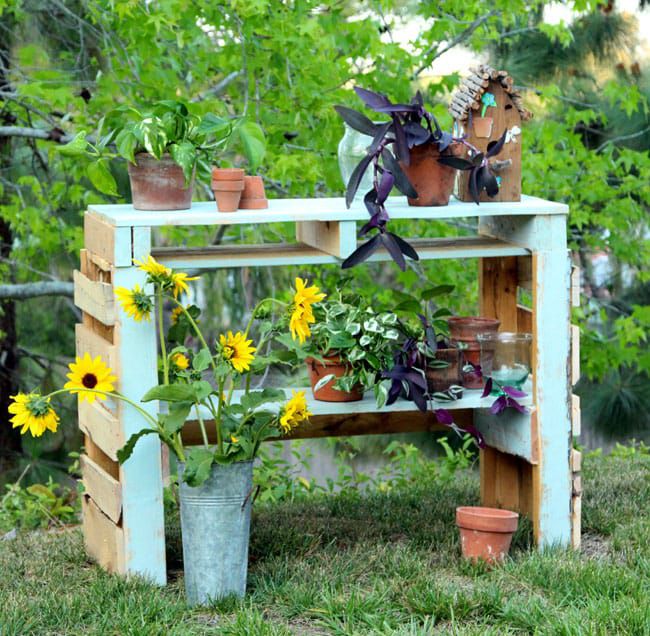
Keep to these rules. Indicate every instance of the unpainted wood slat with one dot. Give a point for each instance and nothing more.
(103, 539)
(498, 290)
(94, 298)
(338, 238)
(87, 341)
(102, 487)
(102, 427)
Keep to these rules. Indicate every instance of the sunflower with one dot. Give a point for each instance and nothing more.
(157, 271)
(294, 412)
(237, 350)
(176, 314)
(180, 360)
(135, 302)
(179, 283)
(301, 314)
(34, 413)
(86, 373)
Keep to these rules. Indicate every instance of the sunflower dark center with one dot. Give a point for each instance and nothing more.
(89, 380)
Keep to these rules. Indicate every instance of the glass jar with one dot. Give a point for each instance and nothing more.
(352, 148)
(505, 357)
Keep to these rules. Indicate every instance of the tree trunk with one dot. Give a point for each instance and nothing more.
(10, 445)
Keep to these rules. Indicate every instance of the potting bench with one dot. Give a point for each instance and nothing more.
(529, 464)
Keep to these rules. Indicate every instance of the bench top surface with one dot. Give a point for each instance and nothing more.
(323, 209)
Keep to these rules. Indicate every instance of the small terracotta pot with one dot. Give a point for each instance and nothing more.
(159, 184)
(228, 186)
(433, 181)
(227, 174)
(253, 188)
(464, 329)
(485, 533)
(337, 367)
(227, 194)
(440, 379)
(482, 126)
(253, 197)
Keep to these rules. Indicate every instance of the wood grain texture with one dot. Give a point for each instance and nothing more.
(94, 298)
(575, 354)
(103, 488)
(503, 119)
(524, 319)
(102, 427)
(103, 539)
(337, 238)
(498, 290)
(87, 341)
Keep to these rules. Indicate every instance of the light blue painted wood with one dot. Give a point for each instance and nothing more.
(123, 255)
(510, 432)
(228, 256)
(324, 209)
(141, 475)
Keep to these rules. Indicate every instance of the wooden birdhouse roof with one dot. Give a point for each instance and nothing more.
(468, 95)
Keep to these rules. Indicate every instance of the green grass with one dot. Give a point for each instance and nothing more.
(377, 564)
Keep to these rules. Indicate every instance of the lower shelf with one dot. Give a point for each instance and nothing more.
(510, 432)
(272, 254)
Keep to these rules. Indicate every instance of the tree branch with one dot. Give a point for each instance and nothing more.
(33, 290)
(463, 35)
(55, 134)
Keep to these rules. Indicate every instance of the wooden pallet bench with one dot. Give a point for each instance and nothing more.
(529, 464)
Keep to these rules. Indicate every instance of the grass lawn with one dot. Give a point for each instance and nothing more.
(377, 564)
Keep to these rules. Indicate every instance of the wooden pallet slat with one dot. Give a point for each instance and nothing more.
(103, 539)
(102, 427)
(87, 341)
(338, 238)
(104, 489)
(94, 298)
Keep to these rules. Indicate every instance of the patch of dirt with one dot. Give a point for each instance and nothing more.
(594, 546)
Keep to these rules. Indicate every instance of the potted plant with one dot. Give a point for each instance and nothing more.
(215, 477)
(163, 145)
(347, 350)
(463, 332)
(412, 153)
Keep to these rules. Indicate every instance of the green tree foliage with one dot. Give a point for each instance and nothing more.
(284, 65)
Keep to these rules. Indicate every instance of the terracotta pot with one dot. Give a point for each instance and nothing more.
(337, 367)
(227, 194)
(253, 188)
(253, 197)
(227, 174)
(464, 329)
(482, 126)
(485, 533)
(432, 181)
(440, 379)
(159, 184)
(228, 186)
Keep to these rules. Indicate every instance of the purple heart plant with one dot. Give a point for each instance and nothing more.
(410, 125)
(506, 397)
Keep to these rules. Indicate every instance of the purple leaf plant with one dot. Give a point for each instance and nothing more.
(410, 125)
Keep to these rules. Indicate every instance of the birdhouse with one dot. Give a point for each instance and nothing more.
(484, 106)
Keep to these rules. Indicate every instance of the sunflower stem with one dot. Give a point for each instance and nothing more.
(197, 331)
(218, 418)
(161, 333)
(202, 425)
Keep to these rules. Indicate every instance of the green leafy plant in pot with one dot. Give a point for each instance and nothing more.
(164, 146)
(348, 349)
(427, 325)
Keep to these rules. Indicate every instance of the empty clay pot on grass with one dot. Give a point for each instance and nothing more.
(485, 533)
(253, 196)
(433, 181)
(462, 332)
(159, 184)
(335, 366)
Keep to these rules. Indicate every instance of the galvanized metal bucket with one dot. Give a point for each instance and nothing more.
(215, 523)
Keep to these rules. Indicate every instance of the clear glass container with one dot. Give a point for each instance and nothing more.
(505, 357)
(352, 148)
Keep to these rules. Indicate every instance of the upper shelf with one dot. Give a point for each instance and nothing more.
(325, 209)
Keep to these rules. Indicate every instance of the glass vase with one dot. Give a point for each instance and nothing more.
(352, 148)
(505, 357)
